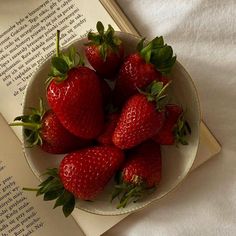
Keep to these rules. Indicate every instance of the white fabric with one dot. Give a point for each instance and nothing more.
(203, 35)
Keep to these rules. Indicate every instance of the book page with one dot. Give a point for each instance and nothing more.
(21, 212)
(27, 39)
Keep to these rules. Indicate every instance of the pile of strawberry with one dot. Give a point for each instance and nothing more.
(106, 131)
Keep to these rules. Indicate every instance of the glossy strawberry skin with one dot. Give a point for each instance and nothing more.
(134, 73)
(85, 173)
(108, 67)
(77, 102)
(144, 164)
(105, 137)
(166, 135)
(139, 121)
(55, 138)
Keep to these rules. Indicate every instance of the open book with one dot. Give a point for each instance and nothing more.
(27, 33)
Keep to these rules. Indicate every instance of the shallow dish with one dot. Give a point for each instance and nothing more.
(177, 161)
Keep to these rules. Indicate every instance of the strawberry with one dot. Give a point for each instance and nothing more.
(141, 68)
(141, 117)
(175, 127)
(104, 51)
(82, 174)
(105, 137)
(44, 129)
(140, 174)
(85, 173)
(74, 94)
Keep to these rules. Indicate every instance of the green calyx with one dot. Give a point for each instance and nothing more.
(155, 92)
(157, 53)
(130, 192)
(105, 40)
(31, 124)
(63, 62)
(53, 189)
(181, 130)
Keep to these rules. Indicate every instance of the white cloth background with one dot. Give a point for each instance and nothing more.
(203, 35)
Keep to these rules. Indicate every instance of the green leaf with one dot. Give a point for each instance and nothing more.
(67, 60)
(146, 53)
(156, 57)
(150, 98)
(183, 142)
(35, 118)
(148, 56)
(63, 198)
(100, 28)
(140, 45)
(51, 195)
(69, 206)
(166, 67)
(156, 88)
(54, 72)
(109, 34)
(103, 51)
(157, 42)
(46, 181)
(105, 39)
(60, 65)
(95, 38)
(54, 184)
(165, 53)
(116, 192)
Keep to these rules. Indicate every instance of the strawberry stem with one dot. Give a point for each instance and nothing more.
(31, 126)
(58, 43)
(62, 62)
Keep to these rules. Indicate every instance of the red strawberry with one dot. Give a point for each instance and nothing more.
(74, 94)
(86, 172)
(44, 129)
(140, 174)
(140, 118)
(174, 128)
(134, 73)
(57, 139)
(82, 174)
(105, 137)
(143, 67)
(104, 51)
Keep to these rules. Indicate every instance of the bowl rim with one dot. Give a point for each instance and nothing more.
(155, 200)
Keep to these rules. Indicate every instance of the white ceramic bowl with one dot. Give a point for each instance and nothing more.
(176, 161)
